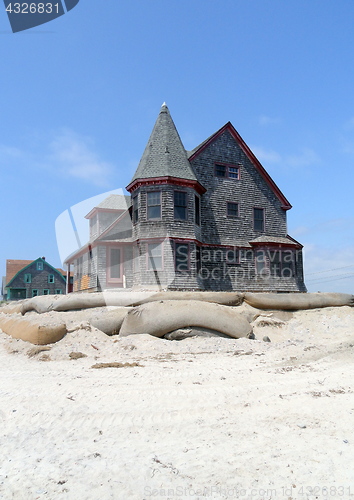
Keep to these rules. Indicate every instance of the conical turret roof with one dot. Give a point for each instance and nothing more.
(164, 154)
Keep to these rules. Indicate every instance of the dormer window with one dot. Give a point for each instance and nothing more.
(227, 171)
(154, 205)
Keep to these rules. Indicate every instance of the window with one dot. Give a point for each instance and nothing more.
(275, 263)
(46, 292)
(198, 259)
(261, 262)
(154, 256)
(115, 261)
(232, 209)
(234, 172)
(220, 171)
(135, 209)
(181, 257)
(180, 204)
(154, 205)
(79, 264)
(136, 258)
(227, 171)
(28, 278)
(197, 209)
(58, 291)
(40, 266)
(232, 256)
(258, 219)
(34, 293)
(51, 278)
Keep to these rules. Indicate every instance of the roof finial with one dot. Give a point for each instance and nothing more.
(164, 104)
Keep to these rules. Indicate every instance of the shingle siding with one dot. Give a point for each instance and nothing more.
(249, 192)
(39, 281)
(165, 168)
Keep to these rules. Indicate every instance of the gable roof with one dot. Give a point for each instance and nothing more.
(17, 264)
(112, 202)
(164, 155)
(230, 128)
(116, 202)
(14, 266)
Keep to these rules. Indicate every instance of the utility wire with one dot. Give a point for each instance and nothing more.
(329, 270)
(333, 279)
(334, 276)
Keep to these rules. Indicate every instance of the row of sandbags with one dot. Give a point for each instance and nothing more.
(154, 313)
(154, 318)
(277, 301)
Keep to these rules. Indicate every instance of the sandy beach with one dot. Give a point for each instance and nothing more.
(193, 419)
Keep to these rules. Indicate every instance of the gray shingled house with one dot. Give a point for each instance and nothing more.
(29, 278)
(208, 219)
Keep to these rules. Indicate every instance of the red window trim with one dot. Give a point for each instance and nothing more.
(267, 262)
(228, 166)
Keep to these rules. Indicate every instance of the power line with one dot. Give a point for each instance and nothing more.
(329, 270)
(333, 279)
(334, 276)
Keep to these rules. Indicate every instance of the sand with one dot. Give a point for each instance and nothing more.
(193, 419)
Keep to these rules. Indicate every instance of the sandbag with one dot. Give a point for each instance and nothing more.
(38, 331)
(297, 301)
(159, 318)
(41, 304)
(109, 321)
(186, 333)
(76, 301)
(225, 298)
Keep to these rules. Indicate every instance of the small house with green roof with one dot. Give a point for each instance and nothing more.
(207, 219)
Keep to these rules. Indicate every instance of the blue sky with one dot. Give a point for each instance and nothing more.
(80, 95)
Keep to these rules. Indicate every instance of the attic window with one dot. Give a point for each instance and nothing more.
(39, 265)
(227, 171)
